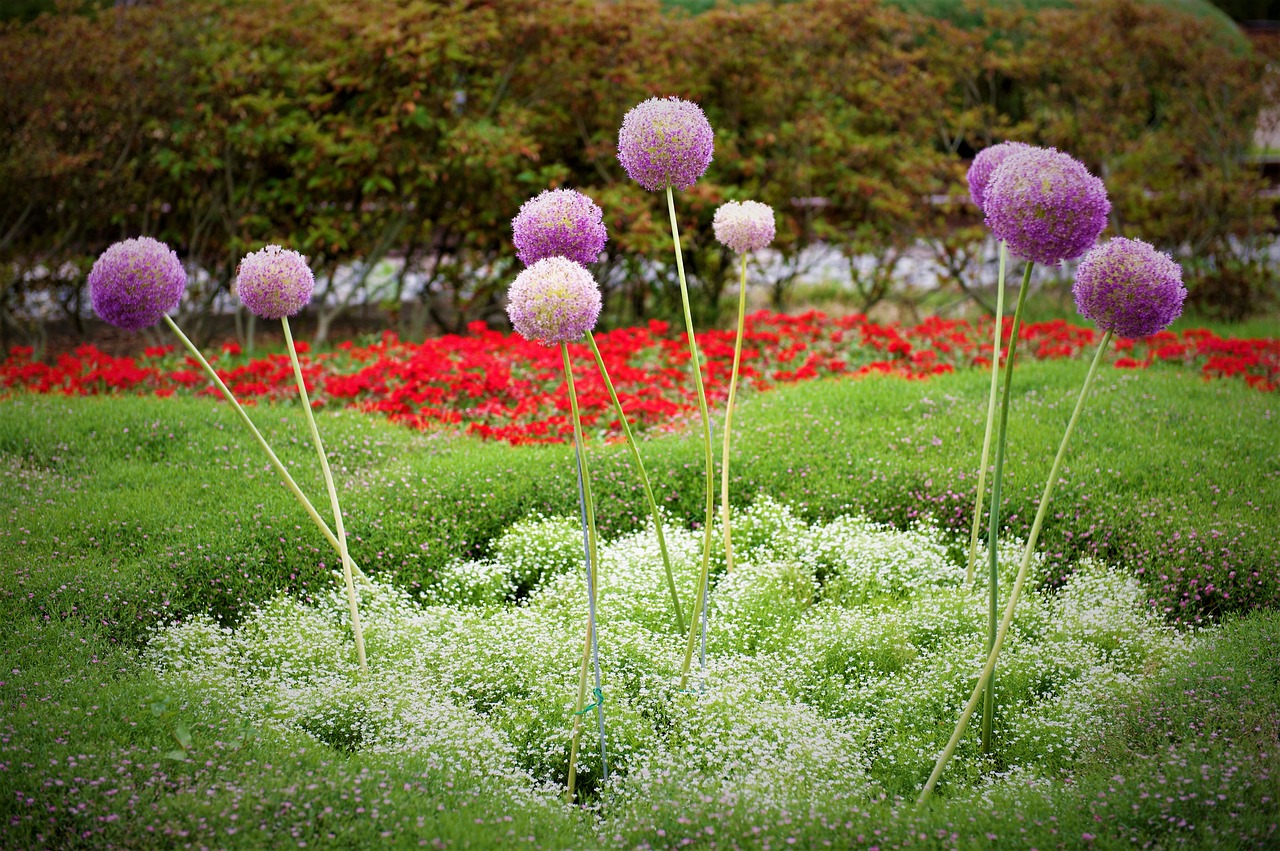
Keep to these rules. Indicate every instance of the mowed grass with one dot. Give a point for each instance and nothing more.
(120, 514)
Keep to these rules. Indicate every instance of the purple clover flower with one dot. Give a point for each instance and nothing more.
(275, 282)
(555, 300)
(1045, 205)
(135, 282)
(665, 142)
(1128, 287)
(743, 227)
(987, 160)
(559, 223)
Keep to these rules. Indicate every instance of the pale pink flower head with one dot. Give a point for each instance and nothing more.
(555, 300)
(744, 226)
(275, 282)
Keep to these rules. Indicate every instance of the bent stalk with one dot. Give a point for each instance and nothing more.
(1019, 581)
(644, 481)
(333, 500)
(262, 441)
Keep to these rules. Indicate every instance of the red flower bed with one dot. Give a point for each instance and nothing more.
(500, 386)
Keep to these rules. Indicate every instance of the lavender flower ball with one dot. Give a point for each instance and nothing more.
(987, 160)
(1129, 288)
(275, 282)
(1045, 205)
(665, 142)
(555, 300)
(135, 282)
(559, 223)
(743, 227)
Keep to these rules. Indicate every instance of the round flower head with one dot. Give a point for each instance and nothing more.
(665, 142)
(1129, 288)
(1045, 205)
(555, 300)
(743, 227)
(135, 282)
(274, 282)
(559, 223)
(985, 163)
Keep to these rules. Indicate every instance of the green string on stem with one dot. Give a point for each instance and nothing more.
(993, 521)
(728, 416)
(699, 613)
(1019, 581)
(333, 500)
(644, 480)
(991, 415)
(262, 441)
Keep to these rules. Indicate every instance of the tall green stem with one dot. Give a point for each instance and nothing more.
(700, 602)
(275, 461)
(728, 416)
(991, 416)
(1021, 578)
(591, 553)
(993, 522)
(333, 499)
(644, 480)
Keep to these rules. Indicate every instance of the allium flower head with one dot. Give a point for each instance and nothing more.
(555, 300)
(1129, 288)
(665, 142)
(274, 282)
(1045, 205)
(743, 227)
(985, 163)
(135, 282)
(559, 223)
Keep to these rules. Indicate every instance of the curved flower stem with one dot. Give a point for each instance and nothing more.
(590, 551)
(275, 462)
(993, 521)
(991, 416)
(699, 611)
(1021, 579)
(644, 480)
(333, 499)
(728, 416)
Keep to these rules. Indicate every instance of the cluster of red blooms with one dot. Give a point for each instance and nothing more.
(501, 386)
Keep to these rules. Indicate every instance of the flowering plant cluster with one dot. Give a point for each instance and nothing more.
(499, 385)
(837, 650)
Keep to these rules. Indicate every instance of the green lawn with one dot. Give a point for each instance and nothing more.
(123, 513)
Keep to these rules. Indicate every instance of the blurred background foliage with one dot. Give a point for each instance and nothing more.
(362, 130)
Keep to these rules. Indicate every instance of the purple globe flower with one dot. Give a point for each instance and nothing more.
(665, 142)
(1129, 288)
(555, 300)
(1045, 205)
(275, 282)
(135, 282)
(987, 160)
(743, 227)
(559, 223)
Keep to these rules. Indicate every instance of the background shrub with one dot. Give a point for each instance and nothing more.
(356, 130)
